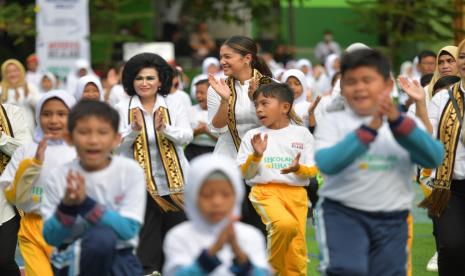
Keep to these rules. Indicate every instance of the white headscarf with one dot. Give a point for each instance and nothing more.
(202, 167)
(81, 85)
(303, 62)
(299, 75)
(404, 67)
(52, 79)
(329, 63)
(209, 61)
(356, 46)
(64, 96)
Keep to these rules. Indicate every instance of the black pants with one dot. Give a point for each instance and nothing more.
(450, 233)
(192, 151)
(8, 241)
(157, 223)
(249, 214)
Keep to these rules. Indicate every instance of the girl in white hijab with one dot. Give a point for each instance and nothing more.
(90, 88)
(48, 82)
(210, 65)
(212, 241)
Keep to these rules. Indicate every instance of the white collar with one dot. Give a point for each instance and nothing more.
(136, 103)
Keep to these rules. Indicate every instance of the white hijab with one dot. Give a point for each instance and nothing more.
(209, 61)
(299, 75)
(52, 79)
(81, 85)
(202, 167)
(329, 63)
(62, 95)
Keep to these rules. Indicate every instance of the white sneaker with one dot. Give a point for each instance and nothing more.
(433, 263)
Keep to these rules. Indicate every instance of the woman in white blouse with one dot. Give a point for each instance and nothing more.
(231, 112)
(154, 130)
(16, 90)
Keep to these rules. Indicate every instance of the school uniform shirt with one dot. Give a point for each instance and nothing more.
(22, 135)
(283, 146)
(246, 118)
(119, 187)
(182, 98)
(28, 102)
(179, 132)
(435, 109)
(379, 179)
(200, 115)
(185, 242)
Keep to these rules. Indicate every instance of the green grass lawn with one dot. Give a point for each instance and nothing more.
(423, 249)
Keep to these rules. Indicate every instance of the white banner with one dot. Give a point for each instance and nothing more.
(62, 34)
(163, 49)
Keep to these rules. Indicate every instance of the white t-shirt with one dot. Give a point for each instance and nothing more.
(179, 132)
(198, 115)
(283, 146)
(379, 180)
(246, 119)
(182, 98)
(119, 187)
(55, 155)
(435, 109)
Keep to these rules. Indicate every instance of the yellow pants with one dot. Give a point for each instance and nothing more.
(35, 251)
(283, 209)
(409, 244)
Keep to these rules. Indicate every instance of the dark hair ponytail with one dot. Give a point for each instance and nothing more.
(245, 45)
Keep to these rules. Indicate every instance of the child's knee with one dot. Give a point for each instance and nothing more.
(99, 240)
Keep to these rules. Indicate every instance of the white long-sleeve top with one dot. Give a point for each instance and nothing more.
(8, 145)
(179, 132)
(246, 119)
(27, 102)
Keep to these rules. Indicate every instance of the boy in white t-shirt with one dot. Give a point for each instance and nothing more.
(204, 141)
(277, 159)
(94, 206)
(367, 154)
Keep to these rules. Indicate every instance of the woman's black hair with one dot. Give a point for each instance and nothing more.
(245, 45)
(445, 82)
(147, 60)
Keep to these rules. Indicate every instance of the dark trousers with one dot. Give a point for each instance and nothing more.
(450, 233)
(8, 241)
(192, 151)
(249, 214)
(157, 223)
(99, 256)
(357, 243)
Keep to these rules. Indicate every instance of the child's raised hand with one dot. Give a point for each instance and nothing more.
(75, 192)
(313, 106)
(159, 120)
(259, 144)
(80, 188)
(413, 89)
(137, 122)
(40, 152)
(241, 257)
(388, 108)
(220, 87)
(295, 165)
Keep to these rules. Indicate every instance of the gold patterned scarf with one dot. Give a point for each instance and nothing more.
(6, 128)
(448, 133)
(260, 80)
(170, 161)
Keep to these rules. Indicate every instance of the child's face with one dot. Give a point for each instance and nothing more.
(94, 139)
(363, 88)
(54, 118)
(216, 200)
(270, 111)
(296, 86)
(212, 69)
(91, 92)
(201, 91)
(46, 84)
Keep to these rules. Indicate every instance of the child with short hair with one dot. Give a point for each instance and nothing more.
(277, 159)
(94, 206)
(367, 154)
(204, 141)
(213, 242)
(27, 172)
